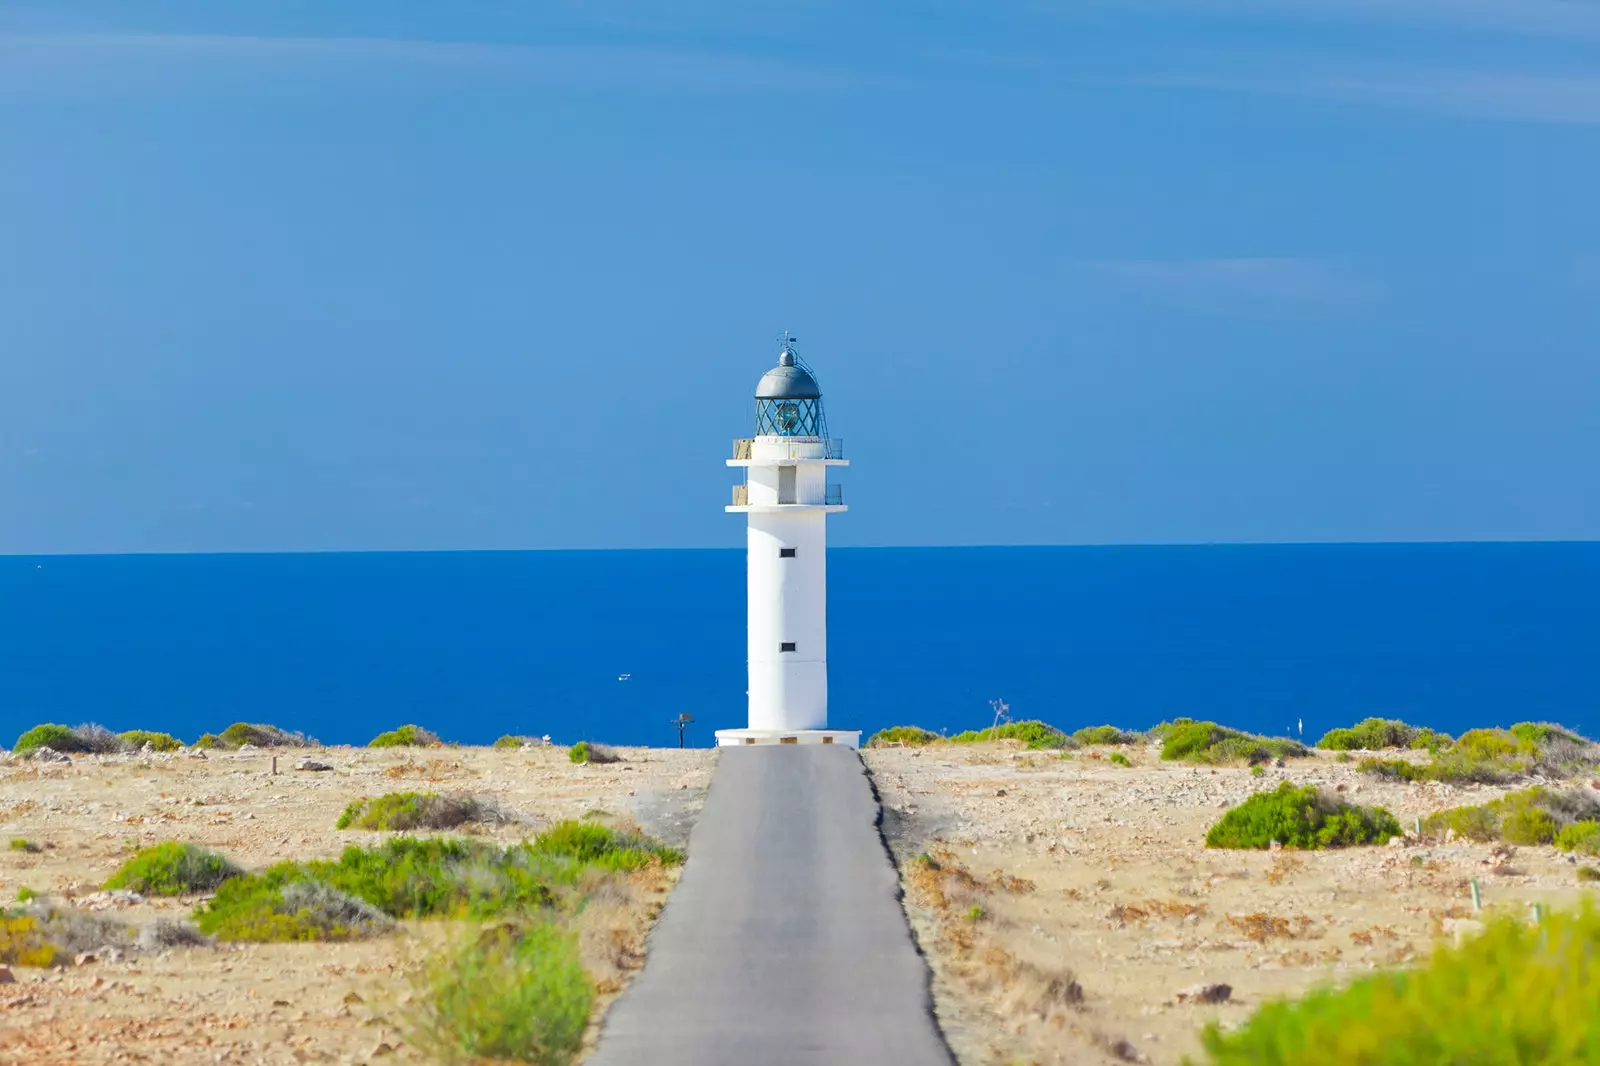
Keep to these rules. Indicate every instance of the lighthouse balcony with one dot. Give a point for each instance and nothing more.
(788, 451)
(832, 500)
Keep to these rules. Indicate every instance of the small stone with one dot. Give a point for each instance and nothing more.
(6, 976)
(353, 997)
(312, 765)
(83, 958)
(1213, 993)
(999, 792)
(382, 1050)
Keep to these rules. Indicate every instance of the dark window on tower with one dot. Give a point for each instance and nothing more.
(786, 553)
(787, 645)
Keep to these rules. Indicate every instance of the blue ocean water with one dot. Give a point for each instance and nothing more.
(474, 645)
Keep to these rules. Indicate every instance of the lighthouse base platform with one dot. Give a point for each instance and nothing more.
(727, 738)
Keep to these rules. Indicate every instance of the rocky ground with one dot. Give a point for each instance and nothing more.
(279, 1003)
(1071, 912)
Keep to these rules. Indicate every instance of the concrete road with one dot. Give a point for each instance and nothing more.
(784, 942)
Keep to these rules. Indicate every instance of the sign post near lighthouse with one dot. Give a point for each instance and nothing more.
(788, 500)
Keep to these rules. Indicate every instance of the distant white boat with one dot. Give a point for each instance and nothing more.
(623, 677)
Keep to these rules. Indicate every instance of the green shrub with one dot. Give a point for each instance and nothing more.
(429, 877)
(136, 739)
(1515, 994)
(509, 994)
(1542, 733)
(1119, 759)
(208, 741)
(24, 844)
(1490, 744)
(1104, 734)
(909, 735)
(173, 869)
(1208, 742)
(402, 811)
(1034, 734)
(1534, 815)
(55, 737)
(1372, 734)
(1300, 818)
(26, 894)
(239, 734)
(1588, 874)
(1582, 837)
(587, 751)
(407, 736)
(510, 741)
(1457, 766)
(270, 910)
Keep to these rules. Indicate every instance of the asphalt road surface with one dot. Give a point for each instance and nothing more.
(784, 942)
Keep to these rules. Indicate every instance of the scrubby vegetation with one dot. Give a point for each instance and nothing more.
(173, 869)
(1035, 734)
(42, 934)
(239, 734)
(1300, 818)
(909, 735)
(1588, 874)
(1105, 734)
(1119, 759)
(584, 751)
(1207, 742)
(1374, 734)
(1494, 756)
(403, 811)
(407, 736)
(511, 993)
(137, 739)
(87, 739)
(423, 878)
(24, 844)
(1515, 994)
(1582, 837)
(1536, 815)
(511, 741)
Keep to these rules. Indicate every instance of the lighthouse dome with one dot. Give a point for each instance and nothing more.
(787, 381)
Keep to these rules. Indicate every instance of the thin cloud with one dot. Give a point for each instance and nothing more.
(1237, 283)
(99, 61)
(1558, 19)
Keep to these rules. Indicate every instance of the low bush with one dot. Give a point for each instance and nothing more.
(427, 877)
(1119, 759)
(516, 993)
(42, 935)
(1300, 818)
(1534, 815)
(1582, 837)
(1034, 734)
(510, 741)
(52, 736)
(403, 811)
(268, 909)
(24, 844)
(407, 736)
(1514, 994)
(1375, 734)
(26, 894)
(208, 741)
(239, 734)
(585, 751)
(909, 735)
(173, 869)
(1542, 733)
(1208, 742)
(1105, 734)
(1588, 874)
(138, 739)
(1490, 744)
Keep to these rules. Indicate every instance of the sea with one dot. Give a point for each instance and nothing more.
(614, 645)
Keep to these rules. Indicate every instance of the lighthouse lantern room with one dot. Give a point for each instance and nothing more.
(787, 497)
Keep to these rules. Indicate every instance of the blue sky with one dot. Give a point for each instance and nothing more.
(374, 275)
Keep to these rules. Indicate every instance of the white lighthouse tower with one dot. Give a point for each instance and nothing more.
(788, 498)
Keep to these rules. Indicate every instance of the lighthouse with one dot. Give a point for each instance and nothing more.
(787, 498)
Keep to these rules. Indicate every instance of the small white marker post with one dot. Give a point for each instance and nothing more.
(1477, 900)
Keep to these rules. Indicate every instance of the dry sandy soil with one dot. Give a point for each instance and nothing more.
(1093, 882)
(282, 1003)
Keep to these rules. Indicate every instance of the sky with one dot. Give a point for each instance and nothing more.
(380, 274)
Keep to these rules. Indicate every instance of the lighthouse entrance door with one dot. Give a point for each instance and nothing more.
(786, 484)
